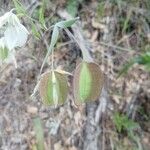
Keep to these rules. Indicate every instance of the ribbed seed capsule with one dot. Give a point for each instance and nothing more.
(88, 82)
(53, 88)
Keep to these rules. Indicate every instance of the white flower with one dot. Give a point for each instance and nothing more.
(15, 34)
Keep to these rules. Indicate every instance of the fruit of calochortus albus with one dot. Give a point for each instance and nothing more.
(88, 82)
(53, 88)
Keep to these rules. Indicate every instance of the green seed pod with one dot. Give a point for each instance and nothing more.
(53, 88)
(88, 82)
(3, 53)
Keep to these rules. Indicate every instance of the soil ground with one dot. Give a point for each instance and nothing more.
(112, 36)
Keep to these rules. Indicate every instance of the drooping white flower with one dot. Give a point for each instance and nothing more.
(15, 34)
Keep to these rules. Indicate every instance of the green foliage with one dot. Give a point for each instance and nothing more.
(63, 25)
(100, 8)
(145, 115)
(126, 21)
(123, 123)
(19, 8)
(41, 17)
(41, 14)
(67, 23)
(55, 35)
(21, 11)
(3, 53)
(39, 134)
(147, 4)
(144, 59)
(72, 7)
(35, 32)
(38, 16)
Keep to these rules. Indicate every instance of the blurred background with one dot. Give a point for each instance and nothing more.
(117, 35)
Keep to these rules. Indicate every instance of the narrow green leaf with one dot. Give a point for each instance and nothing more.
(118, 121)
(41, 17)
(35, 32)
(54, 39)
(3, 53)
(144, 60)
(101, 9)
(126, 22)
(121, 122)
(39, 133)
(67, 23)
(19, 7)
(55, 35)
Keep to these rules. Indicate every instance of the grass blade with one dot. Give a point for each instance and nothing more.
(67, 23)
(39, 133)
(54, 39)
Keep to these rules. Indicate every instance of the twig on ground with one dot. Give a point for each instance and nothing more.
(77, 36)
(102, 106)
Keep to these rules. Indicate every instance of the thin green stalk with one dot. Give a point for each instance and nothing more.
(86, 55)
